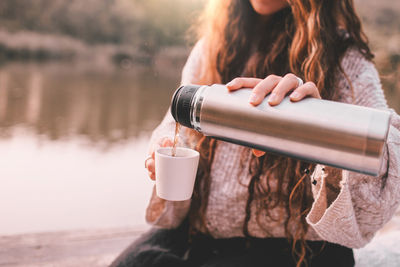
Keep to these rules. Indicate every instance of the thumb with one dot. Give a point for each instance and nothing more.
(258, 153)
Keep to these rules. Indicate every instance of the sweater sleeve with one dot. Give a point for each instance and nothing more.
(163, 213)
(362, 204)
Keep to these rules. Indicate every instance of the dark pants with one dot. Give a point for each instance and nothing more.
(164, 248)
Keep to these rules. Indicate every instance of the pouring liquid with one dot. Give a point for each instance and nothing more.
(177, 129)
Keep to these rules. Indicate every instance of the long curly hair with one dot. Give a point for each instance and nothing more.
(307, 38)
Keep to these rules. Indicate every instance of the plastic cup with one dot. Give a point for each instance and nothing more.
(175, 176)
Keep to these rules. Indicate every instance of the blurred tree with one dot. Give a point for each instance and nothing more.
(149, 24)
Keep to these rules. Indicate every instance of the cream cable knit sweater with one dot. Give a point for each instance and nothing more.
(350, 216)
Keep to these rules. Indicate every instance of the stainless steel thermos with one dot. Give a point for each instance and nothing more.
(320, 131)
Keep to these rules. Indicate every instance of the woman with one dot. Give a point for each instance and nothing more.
(255, 209)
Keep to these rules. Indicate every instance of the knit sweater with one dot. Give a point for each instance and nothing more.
(349, 216)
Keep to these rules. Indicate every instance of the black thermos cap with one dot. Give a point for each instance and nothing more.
(180, 105)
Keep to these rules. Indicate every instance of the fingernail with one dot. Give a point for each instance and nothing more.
(295, 95)
(253, 98)
(231, 83)
(272, 98)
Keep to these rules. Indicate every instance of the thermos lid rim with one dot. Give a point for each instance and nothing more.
(181, 104)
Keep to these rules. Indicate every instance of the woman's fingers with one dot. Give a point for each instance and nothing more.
(150, 161)
(238, 83)
(307, 89)
(286, 84)
(166, 142)
(152, 175)
(150, 165)
(263, 88)
(276, 86)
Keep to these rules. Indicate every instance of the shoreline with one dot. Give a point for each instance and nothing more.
(29, 46)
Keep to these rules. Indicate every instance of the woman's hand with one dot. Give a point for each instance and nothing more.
(278, 87)
(150, 161)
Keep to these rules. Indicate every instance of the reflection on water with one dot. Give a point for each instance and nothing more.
(72, 144)
(58, 102)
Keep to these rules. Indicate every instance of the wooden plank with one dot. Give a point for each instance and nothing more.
(94, 248)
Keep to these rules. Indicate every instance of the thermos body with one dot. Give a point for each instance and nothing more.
(320, 131)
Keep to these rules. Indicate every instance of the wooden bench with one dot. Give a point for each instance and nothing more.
(93, 248)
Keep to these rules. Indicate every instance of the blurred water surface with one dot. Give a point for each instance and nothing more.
(72, 144)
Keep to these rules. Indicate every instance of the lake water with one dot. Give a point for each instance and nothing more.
(72, 145)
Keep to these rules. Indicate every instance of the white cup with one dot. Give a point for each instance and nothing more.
(175, 176)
